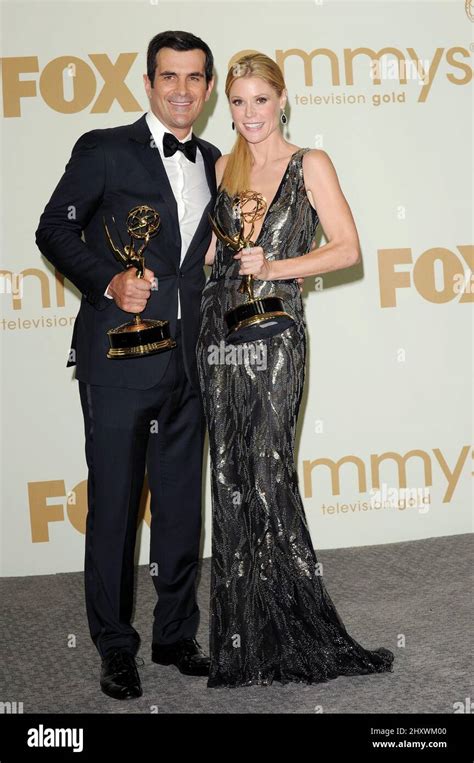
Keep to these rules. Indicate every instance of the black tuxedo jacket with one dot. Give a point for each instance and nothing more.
(110, 172)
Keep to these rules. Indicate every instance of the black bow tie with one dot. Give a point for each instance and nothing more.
(171, 144)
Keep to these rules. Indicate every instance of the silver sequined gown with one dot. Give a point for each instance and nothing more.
(271, 617)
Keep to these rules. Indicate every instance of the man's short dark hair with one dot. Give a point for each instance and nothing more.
(177, 41)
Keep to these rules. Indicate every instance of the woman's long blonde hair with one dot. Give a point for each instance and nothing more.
(236, 177)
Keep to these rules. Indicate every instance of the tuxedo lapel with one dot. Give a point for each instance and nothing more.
(203, 226)
(150, 157)
(209, 165)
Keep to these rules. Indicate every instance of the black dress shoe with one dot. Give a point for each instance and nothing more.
(186, 654)
(119, 675)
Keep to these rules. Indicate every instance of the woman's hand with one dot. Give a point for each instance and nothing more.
(253, 262)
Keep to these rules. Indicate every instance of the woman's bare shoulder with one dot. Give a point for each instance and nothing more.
(318, 167)
(318, 160)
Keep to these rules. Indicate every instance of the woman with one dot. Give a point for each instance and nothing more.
(271, 616)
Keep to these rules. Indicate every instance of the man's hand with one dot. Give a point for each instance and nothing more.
(300, 283)
(129, 292)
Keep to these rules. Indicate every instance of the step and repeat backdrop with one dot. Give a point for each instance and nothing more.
(385, 88)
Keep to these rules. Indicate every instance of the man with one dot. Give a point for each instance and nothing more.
(143, 412)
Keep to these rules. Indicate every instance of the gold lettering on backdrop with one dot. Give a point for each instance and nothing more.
(8, 277)
(452, 476)
(439, 275)
(72, 504)
(424, 274)
(15, 88)
(42, 513)
(390, 279)
(114, 88)
(338, 68)
(307, 58)
(52, 84)
(334, 467)
(44, 286)
(83, 80)
(426, 75)
(401, 462)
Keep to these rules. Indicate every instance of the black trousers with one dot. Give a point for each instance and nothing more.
(160, 429)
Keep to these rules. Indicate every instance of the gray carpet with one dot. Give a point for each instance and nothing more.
(420, 591)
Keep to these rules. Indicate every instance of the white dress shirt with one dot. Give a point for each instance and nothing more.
(188, 182)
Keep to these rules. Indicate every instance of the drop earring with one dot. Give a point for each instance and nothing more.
(283, 117)
(233, 126)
